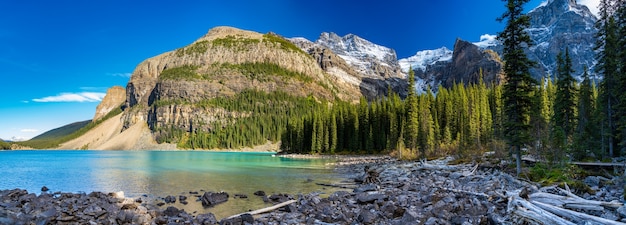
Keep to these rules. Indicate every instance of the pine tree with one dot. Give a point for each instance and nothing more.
(586, 130)
(621, 88)
(539, 120)
(486, 121)
(426, 128)
(565, 100)
(497, 108)
(412, 114)
(364, 124)
(607, 55)
(333, 134)
(519, 84)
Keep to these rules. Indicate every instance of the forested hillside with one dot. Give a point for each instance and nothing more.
(461, 121)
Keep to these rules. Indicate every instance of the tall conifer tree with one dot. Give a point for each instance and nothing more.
(565, 102)
(586, 138)
(621, 92)
(519, 84)
(412, 114)
(607, 56)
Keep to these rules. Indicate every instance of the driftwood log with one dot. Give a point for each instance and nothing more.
(264, 210)
(546, 208)
(533, 205)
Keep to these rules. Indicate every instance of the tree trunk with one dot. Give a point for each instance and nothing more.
(518, 159)
(610, 117)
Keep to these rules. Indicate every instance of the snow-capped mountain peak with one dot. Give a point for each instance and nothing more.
(365, 56)
(424, 58)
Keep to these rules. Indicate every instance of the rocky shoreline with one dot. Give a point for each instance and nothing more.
(380, 190)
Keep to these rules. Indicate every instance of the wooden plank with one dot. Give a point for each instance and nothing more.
(597, 164)
(600, 164)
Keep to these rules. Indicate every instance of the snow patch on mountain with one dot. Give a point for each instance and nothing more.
(424, 58)
(359, 53)
(300, 39)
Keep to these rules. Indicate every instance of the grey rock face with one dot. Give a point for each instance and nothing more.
(558, 25)
(355, 62)
(365, 56)
(466, 65)
(555, 26)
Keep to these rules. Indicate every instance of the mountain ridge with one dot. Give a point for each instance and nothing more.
(555, 25)
(171, 90)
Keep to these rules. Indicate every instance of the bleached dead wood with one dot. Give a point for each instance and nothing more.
(573, 215)
(469, 173)
(264, 210)
(426, 166)
(465, 172)
(532, 213)
(546, 208)
(569, 201)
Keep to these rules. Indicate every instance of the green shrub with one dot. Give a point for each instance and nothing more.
(199, 47)
(185, 72)
(4, 145)
(283, 43)
(230, 41)
(568, 174)
(261, 70)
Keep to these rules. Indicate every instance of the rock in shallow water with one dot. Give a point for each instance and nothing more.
(211, 198)
(170, 199)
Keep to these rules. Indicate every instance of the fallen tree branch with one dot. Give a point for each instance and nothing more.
(426, 166)
(532, 213)
(469, 173)
(264, 210)
(565, 201)
(573, 215)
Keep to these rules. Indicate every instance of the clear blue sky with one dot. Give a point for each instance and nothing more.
(57, 58)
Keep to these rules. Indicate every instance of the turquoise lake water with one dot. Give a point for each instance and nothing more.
(162, 173)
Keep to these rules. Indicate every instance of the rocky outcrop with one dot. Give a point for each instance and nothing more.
(466, 65)
(114, 98)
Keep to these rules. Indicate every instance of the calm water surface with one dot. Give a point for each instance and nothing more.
(162, 173)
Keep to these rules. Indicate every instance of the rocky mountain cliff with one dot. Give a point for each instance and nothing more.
(366, 57)
(558, 24)
(114, 97)
(354, 61)
(466, 64)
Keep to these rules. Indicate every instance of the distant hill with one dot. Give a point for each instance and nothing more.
(62, 131)
(4, 145)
